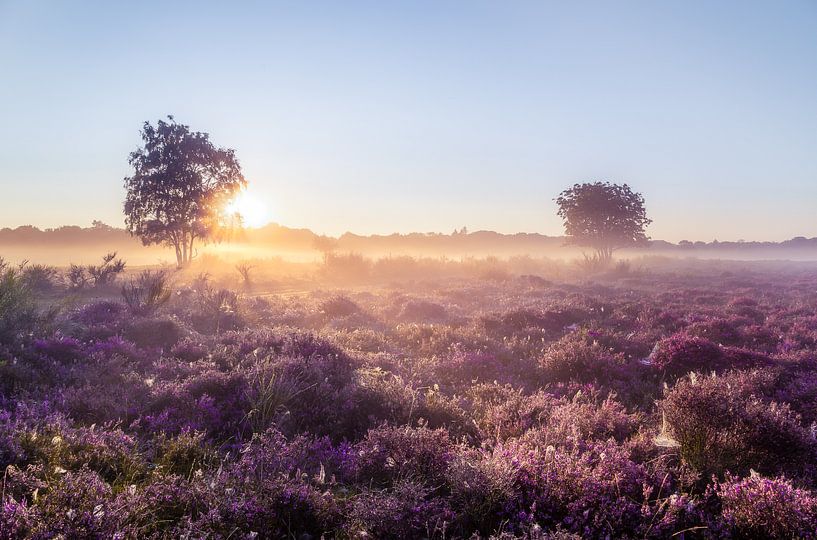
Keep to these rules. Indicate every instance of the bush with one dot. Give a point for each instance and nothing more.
(163, 333)
(18, 310)
(40, 277)
(721, 424)
(147, 293)
(106, 272)
(680, 354)
(575, 357)
(406, 511)
(388, 454)
(758, 507)
(217, 311)
(339, 306)
(77, 277)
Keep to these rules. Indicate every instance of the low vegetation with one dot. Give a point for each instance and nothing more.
(638, 405)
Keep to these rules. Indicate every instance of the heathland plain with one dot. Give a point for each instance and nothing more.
(402, 399)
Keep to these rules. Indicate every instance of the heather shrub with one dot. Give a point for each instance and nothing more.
(721, 424)
(518, 411)
(304, 384)
(586, 418)
(597, 492)
(162, 333)
(502, 411)
(189, 350)
(109, 396)
(75, 506)
(271, 454)
(271, 390)
(405, 511)
(758, 507)
(108, 452)
(339, 306)
(60, 348)
(462, 368)
(99, 313)
(207, 400)
(577, 358)
(165, 507)
(384, 396)
(115, 347)
(16, 519)
(184, 454)
(422, 311)
(388, 454)
(680, 354)
(522, 320)
(484, 491)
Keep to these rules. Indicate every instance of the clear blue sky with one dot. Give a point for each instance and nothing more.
(424, 116)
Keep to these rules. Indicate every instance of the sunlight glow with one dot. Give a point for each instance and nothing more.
(254, 213)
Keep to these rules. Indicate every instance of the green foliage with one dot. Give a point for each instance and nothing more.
(180, 185)
(18, 309)
(603, 216)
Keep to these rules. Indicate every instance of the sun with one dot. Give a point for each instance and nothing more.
(254, 213)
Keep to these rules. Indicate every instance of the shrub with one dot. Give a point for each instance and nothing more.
(245, 270)
(758, 507)
(163, 333)
(270, 390)
(76, 506)
(18, 310)
(40, 277)
(388, 454)
(184, 454)
(339, 306)
(60, 348)
(577, 358)
(217, 311)
(106, 272)
(721, 424)
(680, 354)
(77, 277)
(345, 267)
(422, 311)
(406, 511)
(147, 293)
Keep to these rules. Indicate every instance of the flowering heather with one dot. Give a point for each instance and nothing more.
(768, 507)
(499, 407)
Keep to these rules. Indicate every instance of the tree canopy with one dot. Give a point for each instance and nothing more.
(180, 186)
(603, 216)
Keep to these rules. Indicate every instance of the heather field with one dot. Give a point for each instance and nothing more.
(638, 403)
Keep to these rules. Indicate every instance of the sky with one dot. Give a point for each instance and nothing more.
(382, 117)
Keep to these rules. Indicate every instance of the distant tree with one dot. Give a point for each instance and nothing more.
(325, 244)
(603, 216)
(180, 186)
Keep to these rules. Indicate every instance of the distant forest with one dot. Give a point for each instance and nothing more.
(277, 238)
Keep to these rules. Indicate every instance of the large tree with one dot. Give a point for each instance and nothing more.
(180, 186)
(604, 217)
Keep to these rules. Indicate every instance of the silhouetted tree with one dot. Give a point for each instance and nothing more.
(604, 217)
(180, 186)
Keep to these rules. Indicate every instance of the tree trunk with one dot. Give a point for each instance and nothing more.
(179, 262)
(190, 255)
